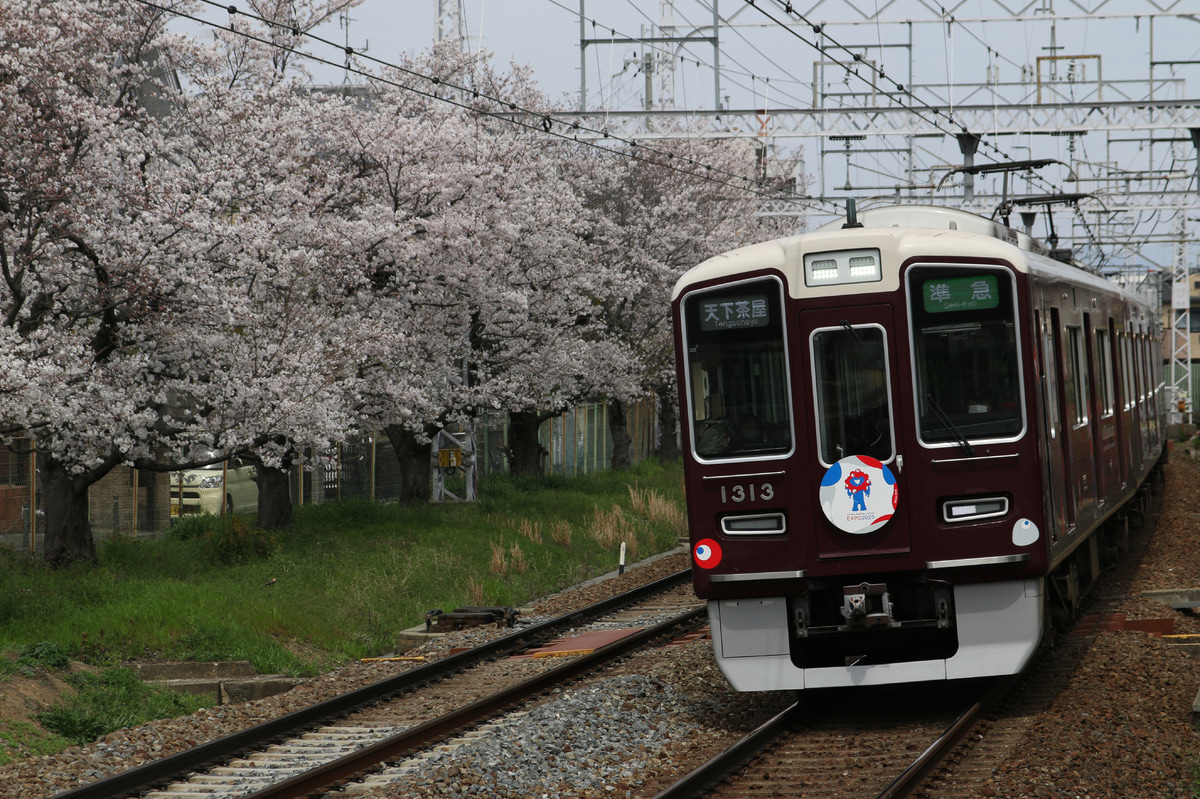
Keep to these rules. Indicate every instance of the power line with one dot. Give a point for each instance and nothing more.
(539, 121)
(927, 112)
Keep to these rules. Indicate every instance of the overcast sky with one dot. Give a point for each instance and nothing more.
(763, 64)
(980, 55)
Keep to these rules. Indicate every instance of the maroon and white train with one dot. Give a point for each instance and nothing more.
(910, 440)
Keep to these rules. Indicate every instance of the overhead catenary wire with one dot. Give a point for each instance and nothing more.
(926, 112)
(949, 20)
(542, 121)
(538, 121)
(744, 72)
(748, 72)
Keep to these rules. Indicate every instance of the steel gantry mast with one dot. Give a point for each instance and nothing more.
(659, 55)
(1129, 128)
(1181, 322)
(448, 22)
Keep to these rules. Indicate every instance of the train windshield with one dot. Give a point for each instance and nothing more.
(965, 354)
(737, 371)
(854, 413)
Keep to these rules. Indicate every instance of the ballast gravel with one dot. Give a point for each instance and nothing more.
(599, 737)
(1122, 727)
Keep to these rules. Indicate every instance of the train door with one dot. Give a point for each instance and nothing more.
(1093, 387)
(1128, 404)
(1116, 392)
(1065, 379)
(1052, 425)
(853, 404)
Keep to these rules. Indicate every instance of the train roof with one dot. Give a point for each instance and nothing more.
(936, 217)
(904, 231)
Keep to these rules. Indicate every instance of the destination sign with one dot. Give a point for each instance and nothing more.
(734, 313)
(961, 293)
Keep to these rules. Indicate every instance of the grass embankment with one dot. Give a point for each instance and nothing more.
(341, 582)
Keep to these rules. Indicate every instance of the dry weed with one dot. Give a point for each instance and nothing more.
(606, 527)
(499, 559)
(532, 530)
(612, 528)
(518, 562)
(637, 500)
(658, 510)
(561, 533)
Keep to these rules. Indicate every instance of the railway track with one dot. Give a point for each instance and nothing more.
(864, 743)
(975, 762)
(344, 738)
(886, 743)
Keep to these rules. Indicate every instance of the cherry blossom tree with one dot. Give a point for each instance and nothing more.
(83, 210)
(280, 247)
(242, 265)
(120, 241)
(477, 256)
(656, 211)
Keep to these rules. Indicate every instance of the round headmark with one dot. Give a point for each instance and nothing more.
(859, 494)
(707, 553)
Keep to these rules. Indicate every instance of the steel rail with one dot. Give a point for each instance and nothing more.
(142, 778)
(700, 778)
(329, 776)
(927, 761)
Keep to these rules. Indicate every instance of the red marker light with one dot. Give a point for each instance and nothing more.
(707, 553)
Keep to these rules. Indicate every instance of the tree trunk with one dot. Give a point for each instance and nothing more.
(416, 468)
(618, 428)
(668, 421)
(524, 449)
(274, 497)
(68, 531)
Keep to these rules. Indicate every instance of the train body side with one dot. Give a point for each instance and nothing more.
(887, 468)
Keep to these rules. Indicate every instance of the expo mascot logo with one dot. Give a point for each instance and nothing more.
(859, 494)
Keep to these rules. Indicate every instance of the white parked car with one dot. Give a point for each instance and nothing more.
(219, 488)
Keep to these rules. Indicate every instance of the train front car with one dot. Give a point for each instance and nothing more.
(866, 482)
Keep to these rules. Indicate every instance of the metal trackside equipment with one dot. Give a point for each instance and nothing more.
(454, 462)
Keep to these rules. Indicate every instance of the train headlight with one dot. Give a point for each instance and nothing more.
(754, 524)
(842, 266)
(974, 509)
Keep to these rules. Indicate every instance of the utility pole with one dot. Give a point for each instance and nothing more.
(344, 21)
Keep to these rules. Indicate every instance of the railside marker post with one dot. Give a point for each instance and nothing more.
(621, 570)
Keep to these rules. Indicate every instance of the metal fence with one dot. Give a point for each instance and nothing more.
(578, 441)
(137, 502)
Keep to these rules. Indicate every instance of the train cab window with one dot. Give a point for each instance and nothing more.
(966, 355)
(737, 375)
(853, 394)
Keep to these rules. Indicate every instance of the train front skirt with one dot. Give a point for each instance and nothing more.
(999, 625)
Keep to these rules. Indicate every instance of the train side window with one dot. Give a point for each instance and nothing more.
(1048, 376)
(966, 354)
(853, 393)
(737, 373)
(1126, 370)
(1139, 378)
(1105, 377)
(1145, 366)
(1075, 367)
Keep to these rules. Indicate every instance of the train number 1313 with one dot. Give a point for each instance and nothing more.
(748, 493)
